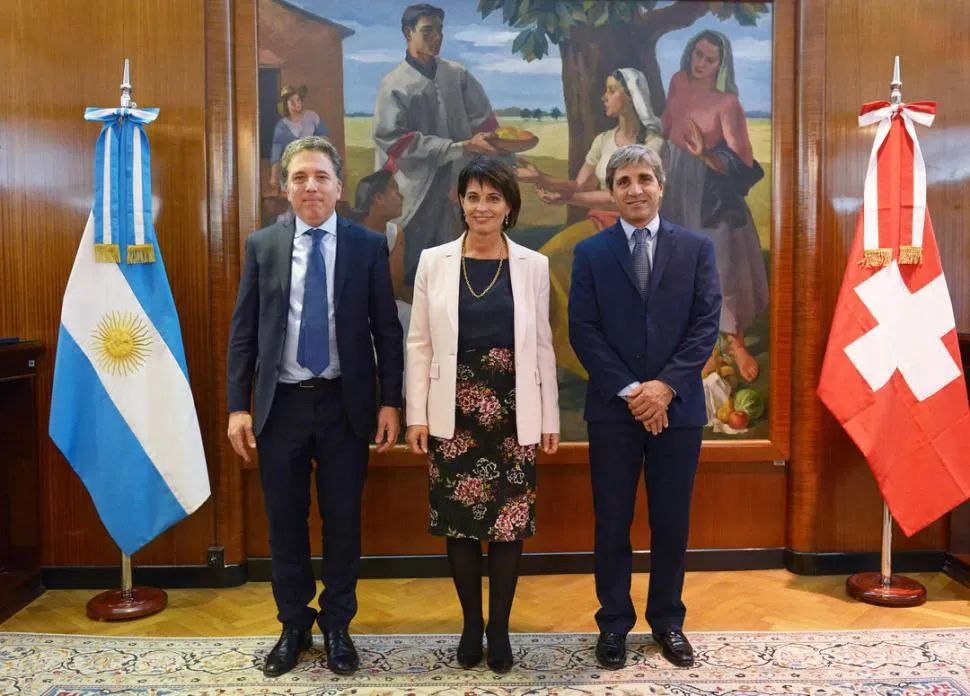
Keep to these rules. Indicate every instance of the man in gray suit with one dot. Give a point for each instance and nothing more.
(315, 304)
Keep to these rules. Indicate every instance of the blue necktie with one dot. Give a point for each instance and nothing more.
(641, 258)
(313, 349)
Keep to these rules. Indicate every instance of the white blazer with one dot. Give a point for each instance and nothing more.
(432, 354)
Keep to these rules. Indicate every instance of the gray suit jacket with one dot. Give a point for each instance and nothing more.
(364, 312)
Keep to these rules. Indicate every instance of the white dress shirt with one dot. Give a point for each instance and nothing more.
(652, 228)
(290, 370)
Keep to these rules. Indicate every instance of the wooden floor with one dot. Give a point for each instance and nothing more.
(772, 600)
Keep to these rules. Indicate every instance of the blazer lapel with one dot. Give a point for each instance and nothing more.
(283, 251)
(621, 249)
(666, 247)
(345, 251)
(451, 268)
(517, 273)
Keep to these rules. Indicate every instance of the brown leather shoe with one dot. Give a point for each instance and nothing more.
(611, 650)
(675, 648)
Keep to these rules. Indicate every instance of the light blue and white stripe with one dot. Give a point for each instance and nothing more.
(123, 182)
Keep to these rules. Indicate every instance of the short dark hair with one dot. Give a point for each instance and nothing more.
(367, 188)
(498, 174)
(311, 143)
(413, 13)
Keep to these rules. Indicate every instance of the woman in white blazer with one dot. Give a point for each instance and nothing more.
(481, 395)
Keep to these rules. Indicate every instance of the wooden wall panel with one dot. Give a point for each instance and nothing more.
(804, 478)
(57, 59)
(736, 505)
(223, 225)
(835, 503)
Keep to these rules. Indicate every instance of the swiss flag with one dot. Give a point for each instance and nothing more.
(892, 373)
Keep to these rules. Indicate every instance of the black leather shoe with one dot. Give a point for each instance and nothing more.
(470, 651)
(341, 654)
(611, 650)
(500, 657)
(675, 648)
(286, 653)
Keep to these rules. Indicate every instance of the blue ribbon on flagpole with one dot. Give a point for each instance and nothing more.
(123, 186)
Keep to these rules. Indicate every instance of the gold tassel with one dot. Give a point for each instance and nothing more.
(912, 255)
(876, 258)
(107, 253)
(141, 253)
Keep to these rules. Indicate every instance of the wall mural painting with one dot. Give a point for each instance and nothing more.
(554, 86)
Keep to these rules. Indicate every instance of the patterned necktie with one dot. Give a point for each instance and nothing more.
(313, 349)
(641, 258)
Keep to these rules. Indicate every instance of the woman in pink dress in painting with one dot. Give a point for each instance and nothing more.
(710, 171)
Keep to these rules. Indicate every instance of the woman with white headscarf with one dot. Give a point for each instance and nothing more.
(711, 169)
(627, 99)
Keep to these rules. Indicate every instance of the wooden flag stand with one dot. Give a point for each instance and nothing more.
(129, 602)
(884, 588)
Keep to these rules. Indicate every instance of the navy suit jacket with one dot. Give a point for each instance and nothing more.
(364, 307)
(621, 338)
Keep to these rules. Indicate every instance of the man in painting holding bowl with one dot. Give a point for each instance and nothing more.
(430, 115)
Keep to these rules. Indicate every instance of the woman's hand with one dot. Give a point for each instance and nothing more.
(478, 144)
(417, 438)
(552, 197)
(693, 139)
(550, 443)
(527, 172)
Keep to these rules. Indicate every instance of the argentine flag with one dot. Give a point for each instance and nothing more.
(122, 411)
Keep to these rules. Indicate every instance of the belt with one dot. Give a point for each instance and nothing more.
(314, 383)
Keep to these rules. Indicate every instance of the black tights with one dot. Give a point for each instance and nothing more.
(465, 559)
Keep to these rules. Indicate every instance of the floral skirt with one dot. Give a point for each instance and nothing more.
(481, 482)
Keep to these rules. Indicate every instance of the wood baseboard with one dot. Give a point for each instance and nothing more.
(17, 590)
(258, 569)
(847, 563)
(957, 568)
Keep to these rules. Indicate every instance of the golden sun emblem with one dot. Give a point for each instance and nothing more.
(122, 342)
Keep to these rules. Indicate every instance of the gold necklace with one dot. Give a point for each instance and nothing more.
(464, 272)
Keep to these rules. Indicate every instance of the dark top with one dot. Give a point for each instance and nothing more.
(487, 321)
(428, 70)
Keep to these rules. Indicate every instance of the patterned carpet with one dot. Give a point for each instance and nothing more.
(897, 663)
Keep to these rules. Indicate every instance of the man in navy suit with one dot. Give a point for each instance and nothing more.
(643, 318)
(315, 304)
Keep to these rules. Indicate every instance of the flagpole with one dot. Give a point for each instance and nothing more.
(131, 601)
(886, 566)
(884, 588)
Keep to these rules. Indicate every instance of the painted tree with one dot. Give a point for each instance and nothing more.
(595, 37)
(555, 113)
